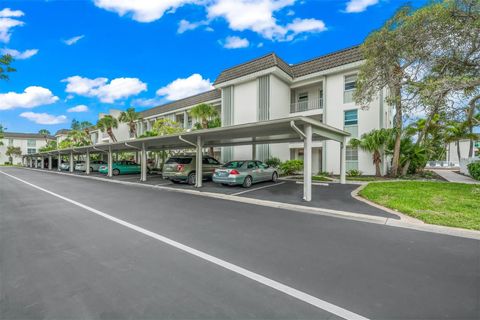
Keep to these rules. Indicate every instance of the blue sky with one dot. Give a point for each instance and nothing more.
(78, 58)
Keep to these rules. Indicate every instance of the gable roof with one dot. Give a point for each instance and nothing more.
(23, 135)
(183, 103)
(62, 131)
(325, 62)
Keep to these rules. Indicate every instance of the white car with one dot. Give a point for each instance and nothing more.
(94, 165)
(65, 166)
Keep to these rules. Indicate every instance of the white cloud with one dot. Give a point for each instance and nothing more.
(79, 108)
(44, 118)
(251, 15)
(8, 13)
(73, 40)
(31, 97)
(235, 42)
(20, 55)
(306, 25)
(6, 24)
(185, 25)
(119, 88)
(142, 10)
(354, 6)
(184, 87)
(290, 13)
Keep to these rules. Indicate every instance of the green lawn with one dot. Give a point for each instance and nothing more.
(442, 203)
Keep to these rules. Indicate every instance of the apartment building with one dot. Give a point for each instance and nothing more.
(28, 143)
(269, 88)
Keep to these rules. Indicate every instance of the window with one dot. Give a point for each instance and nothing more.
(349, 88)
(261, 165)
(10, 142)
(31, 150)
(251, 165)
(303, 97)
(31, 143)
(351, 122)
(351, 158)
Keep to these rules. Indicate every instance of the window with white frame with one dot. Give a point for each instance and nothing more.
(351, 158)
(351, 122)
(10, 142)
(349, 88)
(31, 150)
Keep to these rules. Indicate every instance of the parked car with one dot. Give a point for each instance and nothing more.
(65, 166)
(245, 173)
(182, 168)
(121, 167)
(94, 165)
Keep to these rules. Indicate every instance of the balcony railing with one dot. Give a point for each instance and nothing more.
(306, 105)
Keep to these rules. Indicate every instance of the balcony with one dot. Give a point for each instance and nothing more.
(307, 105)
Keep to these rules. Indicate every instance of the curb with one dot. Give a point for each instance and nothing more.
(403, 223)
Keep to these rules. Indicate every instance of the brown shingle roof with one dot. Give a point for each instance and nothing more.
(182, 103)
(328, 61)
(62, 131)
(255, 65)
(22, 135)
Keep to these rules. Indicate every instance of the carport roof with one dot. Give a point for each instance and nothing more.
(262, 132)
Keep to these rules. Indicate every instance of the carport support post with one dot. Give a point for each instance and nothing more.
(199, 163)
(42, 162)
(59, 162)
(30, 162)
(71, 162)
(87, 162)
(109, 161)
(143, 163)
(49, 162)
(307, 163)
(342, 162)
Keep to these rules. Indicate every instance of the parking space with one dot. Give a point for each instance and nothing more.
(332, 196)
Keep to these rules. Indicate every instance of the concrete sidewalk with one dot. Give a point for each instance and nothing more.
(453, 176)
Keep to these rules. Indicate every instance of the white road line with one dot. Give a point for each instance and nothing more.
(302, 296)
(254, 189)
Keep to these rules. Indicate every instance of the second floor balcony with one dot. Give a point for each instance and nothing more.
(306, 105)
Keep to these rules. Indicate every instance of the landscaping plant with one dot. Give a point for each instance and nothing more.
(474, 170)
(290, 167)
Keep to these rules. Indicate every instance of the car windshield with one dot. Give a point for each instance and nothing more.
(178, 160)
(233, 164)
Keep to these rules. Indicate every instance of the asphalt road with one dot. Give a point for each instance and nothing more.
(61, 260)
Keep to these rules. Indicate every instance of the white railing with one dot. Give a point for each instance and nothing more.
(441, 164)
(306, 105)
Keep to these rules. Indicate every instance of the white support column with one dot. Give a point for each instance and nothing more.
(143, 163)
(199, 162)
(342, 162)
(30, 162)
(42, 162)
(87, 162)
(50, 165)
(35, 162)
(254, 152)
(59, 162)
(109, 161)
(307, 163)
(185, 119)
(71, 162)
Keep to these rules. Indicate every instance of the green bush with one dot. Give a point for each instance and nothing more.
(291, 166)
(354, 173)
(273, 162)
(474, 170)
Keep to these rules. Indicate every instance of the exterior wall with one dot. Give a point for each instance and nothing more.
(452, 155)
(19, 142)
(244, 111)
(279, 108)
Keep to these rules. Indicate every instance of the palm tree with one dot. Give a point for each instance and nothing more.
(130, 116)
(373, 142)
(204, 113)
(457, 131)
(13, 152)
(45, 133)
(5, 61)
(1, 135)
(107, 124)
(208, 118)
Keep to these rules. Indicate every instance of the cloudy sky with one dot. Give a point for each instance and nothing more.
(78, 58)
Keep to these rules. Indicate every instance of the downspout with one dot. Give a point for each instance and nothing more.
(129, 145)
(297, 129)
(186, 141)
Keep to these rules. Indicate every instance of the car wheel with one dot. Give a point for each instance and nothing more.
(247, 183)
(175, 181)
(275, 177)
(225, 184)
(115, 172)
(191, 180)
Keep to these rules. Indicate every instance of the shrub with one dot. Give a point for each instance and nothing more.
(273, 162)
(354, 173)
(291, 166)
(474, 170)
(324, 173)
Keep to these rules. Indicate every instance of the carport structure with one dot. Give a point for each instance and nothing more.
(284, 130)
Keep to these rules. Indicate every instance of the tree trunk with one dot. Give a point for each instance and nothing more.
(398, 127)
(111, 135)
(471, 113)
(133, 130)
(405, 167)
(377, 161)
(458, 151)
